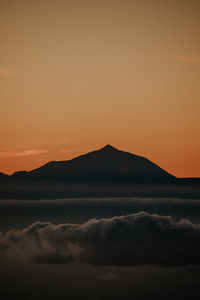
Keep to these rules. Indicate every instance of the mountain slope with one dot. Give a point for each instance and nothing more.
(3, 176)
(107, 172)
(107, 163)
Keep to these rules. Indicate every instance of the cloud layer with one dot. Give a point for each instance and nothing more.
(136, 239)
(82, 209)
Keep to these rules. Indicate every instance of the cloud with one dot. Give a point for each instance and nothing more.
(186, 58)
(18, 153)
(99, 207)
(5, 71)
(192, 269)
(108, 276)
(131, 240)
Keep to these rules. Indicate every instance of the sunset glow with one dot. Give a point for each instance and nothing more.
(76, 75)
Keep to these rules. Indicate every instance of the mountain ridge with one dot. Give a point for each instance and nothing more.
(108, 156)
(106, 163)
(105, 172)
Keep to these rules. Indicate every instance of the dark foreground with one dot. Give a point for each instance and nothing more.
(50, 255)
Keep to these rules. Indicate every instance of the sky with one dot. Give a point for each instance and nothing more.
(76, 75)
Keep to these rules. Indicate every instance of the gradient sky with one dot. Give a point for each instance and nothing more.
(76, 75)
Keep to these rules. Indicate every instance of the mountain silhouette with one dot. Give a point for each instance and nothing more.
(106, 172)
(105, 164)
(3, 176)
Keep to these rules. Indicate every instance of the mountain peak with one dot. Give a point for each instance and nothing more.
(108, 147)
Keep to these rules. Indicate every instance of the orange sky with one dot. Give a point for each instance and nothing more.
(76, 75)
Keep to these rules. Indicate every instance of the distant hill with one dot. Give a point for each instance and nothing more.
(105, 164)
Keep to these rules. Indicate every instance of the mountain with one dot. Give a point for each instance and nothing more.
(107, 172)
(105, 164)
(3, 176)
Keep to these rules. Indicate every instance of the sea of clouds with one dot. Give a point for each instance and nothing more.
(129, 240)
